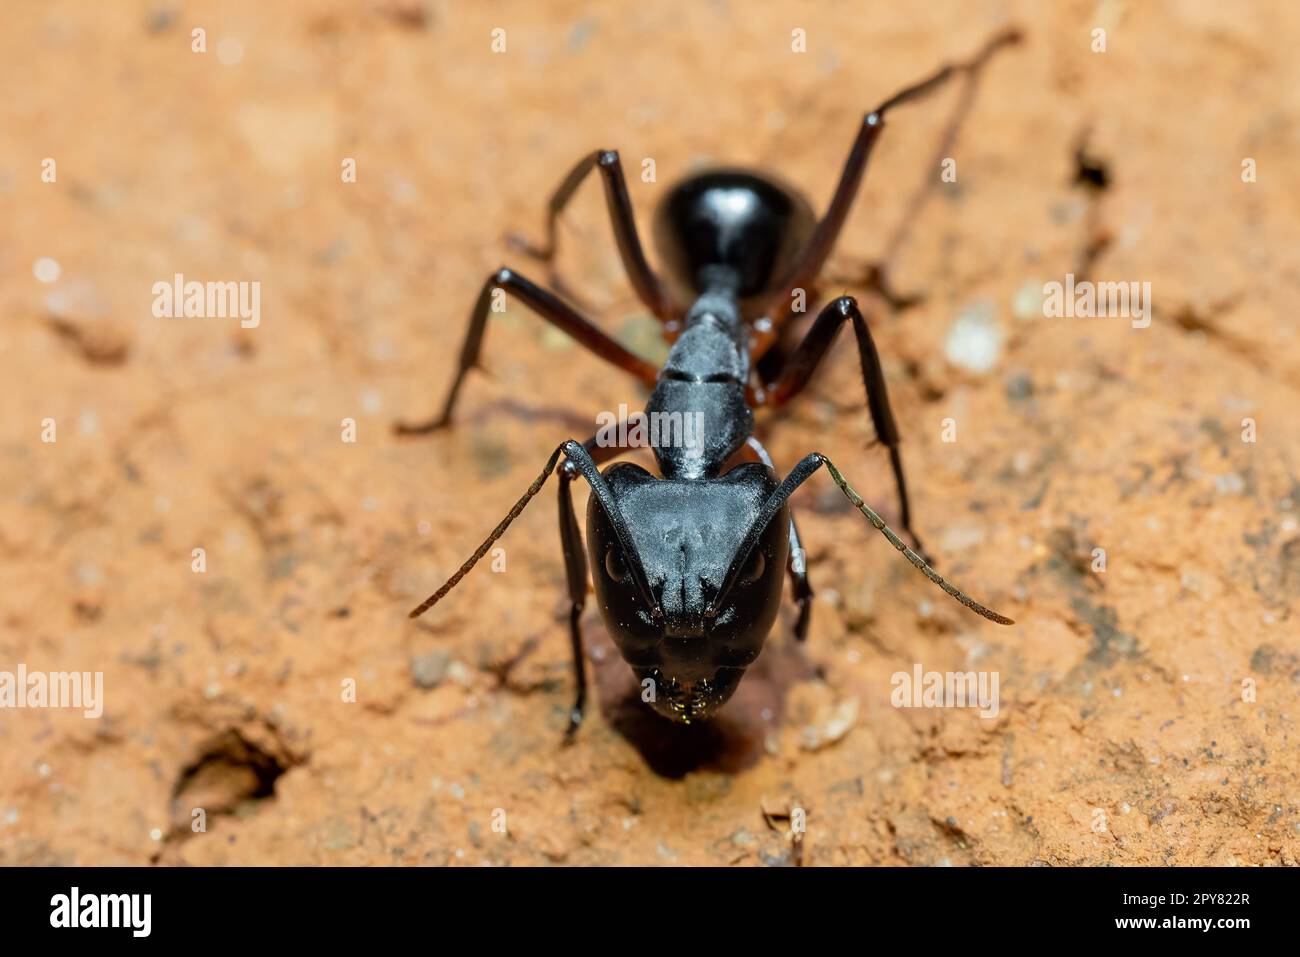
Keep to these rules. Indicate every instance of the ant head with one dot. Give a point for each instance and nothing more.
(713, 606)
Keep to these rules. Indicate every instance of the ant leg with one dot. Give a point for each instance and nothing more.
(806, 267)
(575, 569)
(803, 363)
(649, 289)
(796, 564)
(551, 308)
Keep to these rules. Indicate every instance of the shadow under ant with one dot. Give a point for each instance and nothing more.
(733, 740)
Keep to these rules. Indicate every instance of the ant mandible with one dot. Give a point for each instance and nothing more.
(688, 566)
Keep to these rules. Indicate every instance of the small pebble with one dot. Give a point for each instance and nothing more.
(974, 340)
(428, 670)
(1028, 301)
(1019, 387)
(46, 269)
(1230, 484)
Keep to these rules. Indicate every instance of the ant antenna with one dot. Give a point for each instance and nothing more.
(798, 475)
(576, 453)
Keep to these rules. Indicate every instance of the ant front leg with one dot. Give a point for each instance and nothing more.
(575, 571)
(551, 308)
(649, 288)
(797, 562)
(800, 367)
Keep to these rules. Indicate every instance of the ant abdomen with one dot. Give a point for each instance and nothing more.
(731, 226)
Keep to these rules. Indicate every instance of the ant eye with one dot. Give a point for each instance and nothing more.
(755, 567)
(615, 567)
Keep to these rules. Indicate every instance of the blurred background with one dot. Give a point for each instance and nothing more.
(272, 680)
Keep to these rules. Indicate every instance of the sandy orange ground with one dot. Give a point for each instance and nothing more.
(1124, 736)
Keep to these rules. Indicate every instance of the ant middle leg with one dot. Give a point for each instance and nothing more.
(798, 372)
(648, 287)
(808, 264)
(551, 308)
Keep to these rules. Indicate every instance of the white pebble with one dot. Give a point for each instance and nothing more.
(46, 269)
(974, 340)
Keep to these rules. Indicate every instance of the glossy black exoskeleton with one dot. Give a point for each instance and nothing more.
(688, 565)
(743, 221)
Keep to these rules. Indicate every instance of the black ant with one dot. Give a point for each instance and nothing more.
(688, 566)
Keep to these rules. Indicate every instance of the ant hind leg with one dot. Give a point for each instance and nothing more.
(803, 273)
